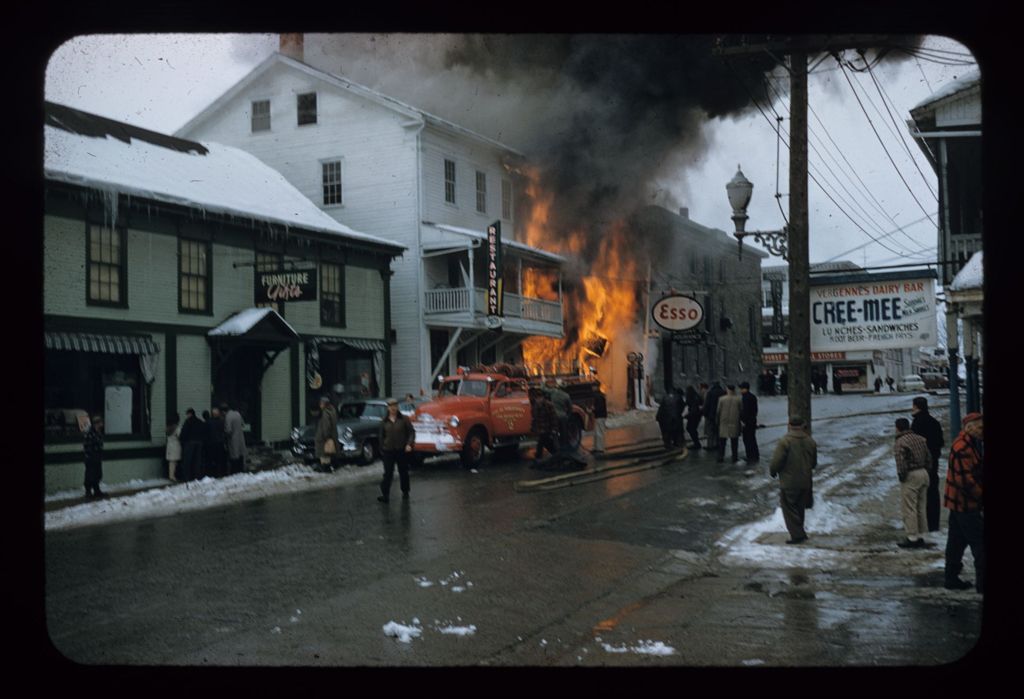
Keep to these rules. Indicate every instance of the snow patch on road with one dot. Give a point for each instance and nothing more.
(642, 647)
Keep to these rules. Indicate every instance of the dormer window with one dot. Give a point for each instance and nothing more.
(307, 108)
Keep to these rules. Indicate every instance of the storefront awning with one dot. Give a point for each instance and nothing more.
(96, 342)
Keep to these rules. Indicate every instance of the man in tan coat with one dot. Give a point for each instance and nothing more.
(729, 408)
(326, 432)
(794, 460)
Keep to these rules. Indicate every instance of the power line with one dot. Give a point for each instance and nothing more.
(893, 232)
(852, 89)
(903, 136)
(810, 175)
(846, 171)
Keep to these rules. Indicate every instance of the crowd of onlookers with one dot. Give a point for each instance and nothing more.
(213, 445)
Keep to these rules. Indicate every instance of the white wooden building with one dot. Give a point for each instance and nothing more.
(375, 163)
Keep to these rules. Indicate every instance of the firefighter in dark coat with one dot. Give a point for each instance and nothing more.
(928, 427)
(193, 436)
(748, 421)
(93, 447)
(543, 423)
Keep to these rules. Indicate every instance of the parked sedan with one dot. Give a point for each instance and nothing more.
(911, 383)
(358, 432)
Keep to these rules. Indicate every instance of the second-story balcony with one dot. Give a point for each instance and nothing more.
(455, 272)
(468, 308)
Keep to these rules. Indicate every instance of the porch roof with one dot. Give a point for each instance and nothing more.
(481, 236)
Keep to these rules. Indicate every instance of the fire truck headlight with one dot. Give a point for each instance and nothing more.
(453, 421)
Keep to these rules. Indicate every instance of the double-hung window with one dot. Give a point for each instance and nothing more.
(331, 176)
(332, 294)
(506, 200)
(106, 278)
(481, 192)
(194, 276)
(449, 181)
(260, 115)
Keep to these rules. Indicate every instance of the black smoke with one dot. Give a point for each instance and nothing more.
(604, 118)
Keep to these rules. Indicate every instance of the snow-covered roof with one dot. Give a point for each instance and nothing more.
(222, 180)
(970, 277)
(244, 321)
(964, 82)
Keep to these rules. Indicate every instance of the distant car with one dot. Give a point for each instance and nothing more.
(358, 432)
(911, 383)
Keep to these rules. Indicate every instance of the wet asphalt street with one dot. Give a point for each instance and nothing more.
(487, 575)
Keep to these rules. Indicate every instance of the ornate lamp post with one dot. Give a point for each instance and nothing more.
(739, 190)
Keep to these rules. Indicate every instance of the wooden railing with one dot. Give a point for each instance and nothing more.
(516, 306)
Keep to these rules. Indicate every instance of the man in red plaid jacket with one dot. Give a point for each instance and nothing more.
(963, 499)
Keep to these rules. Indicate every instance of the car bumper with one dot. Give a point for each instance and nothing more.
(436, 440)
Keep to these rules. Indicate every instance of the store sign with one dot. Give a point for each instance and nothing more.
(783, 357)
(495, 280)
(677, 313)
(875, 315)
(295, 285)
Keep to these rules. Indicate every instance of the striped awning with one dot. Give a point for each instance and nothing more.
(369, 345)
(96, 342)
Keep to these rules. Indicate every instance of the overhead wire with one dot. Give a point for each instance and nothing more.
(810, 174)
(882, 94)
(861, 104)
(850, 169)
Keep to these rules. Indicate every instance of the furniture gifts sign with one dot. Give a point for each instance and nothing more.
(876, 315)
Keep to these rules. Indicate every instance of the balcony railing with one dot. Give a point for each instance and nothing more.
(516, 306)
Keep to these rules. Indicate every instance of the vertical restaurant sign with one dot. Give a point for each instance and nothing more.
(282, 285)
(495, 282)
(873, 315)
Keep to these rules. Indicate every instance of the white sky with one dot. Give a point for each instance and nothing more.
(161, 81)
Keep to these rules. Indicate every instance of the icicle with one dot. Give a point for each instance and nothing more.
(110, 208)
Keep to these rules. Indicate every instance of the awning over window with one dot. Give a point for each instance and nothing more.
(95, 342)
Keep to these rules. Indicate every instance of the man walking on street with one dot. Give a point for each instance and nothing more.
(929, 428)
(912, 461)
(397, 437)
(963, 498)
(794, 460)
(748, 421)
(729, 409)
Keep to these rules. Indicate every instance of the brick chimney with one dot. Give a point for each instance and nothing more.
(291, 46)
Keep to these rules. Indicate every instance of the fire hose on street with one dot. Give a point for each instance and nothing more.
(646, 460)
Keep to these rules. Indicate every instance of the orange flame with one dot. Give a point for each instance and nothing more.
(600, 311)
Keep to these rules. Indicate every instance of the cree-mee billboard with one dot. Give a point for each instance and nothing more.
(876, 315)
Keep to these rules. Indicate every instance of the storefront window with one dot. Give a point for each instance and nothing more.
(80, 384)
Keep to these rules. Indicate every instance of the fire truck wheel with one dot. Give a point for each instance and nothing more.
(473, 451)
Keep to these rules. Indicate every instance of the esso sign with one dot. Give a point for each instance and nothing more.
(678, 313)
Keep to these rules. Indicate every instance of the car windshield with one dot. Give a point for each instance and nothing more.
(374, 411)
(464, 387)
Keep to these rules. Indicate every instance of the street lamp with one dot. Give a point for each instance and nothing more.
(739, 190)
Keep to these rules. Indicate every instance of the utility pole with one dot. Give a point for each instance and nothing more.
(799, 383)
(797, 48)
